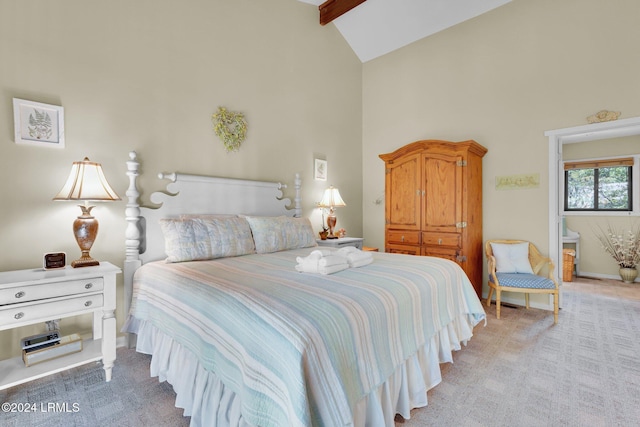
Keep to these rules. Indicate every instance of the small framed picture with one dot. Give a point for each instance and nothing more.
(38, 124)
(320, 170)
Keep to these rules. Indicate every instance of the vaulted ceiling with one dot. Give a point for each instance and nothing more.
(376, 27)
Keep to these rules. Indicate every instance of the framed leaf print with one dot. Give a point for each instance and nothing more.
(320, 170)
(38, 124)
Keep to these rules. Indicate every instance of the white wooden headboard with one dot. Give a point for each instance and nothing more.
(192, 194)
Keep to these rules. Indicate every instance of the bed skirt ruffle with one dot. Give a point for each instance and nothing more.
(210, 403)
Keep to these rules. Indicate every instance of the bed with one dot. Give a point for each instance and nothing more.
(213, 294)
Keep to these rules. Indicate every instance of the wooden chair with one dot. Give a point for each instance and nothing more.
(533, 281)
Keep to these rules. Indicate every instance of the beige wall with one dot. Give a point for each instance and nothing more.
(594, 261)
(503, 79)
(146, 76)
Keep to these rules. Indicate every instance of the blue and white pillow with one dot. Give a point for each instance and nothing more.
(281, 233)
(201, 238)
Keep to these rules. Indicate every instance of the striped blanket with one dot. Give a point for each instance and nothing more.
(301, 349)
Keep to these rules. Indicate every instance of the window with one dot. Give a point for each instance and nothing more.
(598, 185)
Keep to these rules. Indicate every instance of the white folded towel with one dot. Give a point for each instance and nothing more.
(315, 255)
(328, 261)
(355, 257)
(360, 262)
(348, 250)
(324, 251)
(322, 261)
(308, 268)
(333, 268)
(308, 264)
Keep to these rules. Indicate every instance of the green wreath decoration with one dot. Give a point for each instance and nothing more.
(230, 127)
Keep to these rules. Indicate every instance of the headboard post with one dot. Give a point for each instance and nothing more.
(132, 212)
(297, 201)
(132, 236)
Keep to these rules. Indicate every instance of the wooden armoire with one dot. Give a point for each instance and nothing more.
(433, 202)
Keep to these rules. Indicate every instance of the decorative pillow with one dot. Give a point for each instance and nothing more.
(193, 239)
(512, 257)
(207, 216)
(272, 234)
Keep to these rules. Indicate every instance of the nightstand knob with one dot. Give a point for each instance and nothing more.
(402, 239)
(20, 294)
(88, 286)
(19, 316)
(88, 303)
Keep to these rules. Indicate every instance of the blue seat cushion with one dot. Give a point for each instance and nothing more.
(524, 280)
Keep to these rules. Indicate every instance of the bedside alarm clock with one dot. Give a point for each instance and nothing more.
(54, 260)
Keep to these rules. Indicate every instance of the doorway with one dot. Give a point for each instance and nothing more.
(557, 138)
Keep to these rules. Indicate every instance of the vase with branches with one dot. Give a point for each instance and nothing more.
(624, 248)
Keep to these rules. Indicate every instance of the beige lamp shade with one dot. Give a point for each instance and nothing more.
(86, 182)
(331, 199)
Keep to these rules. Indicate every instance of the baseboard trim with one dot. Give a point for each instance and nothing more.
(121, 341)
(589, 275)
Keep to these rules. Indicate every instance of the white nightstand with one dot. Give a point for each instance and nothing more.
(341, 242)
(36, 296)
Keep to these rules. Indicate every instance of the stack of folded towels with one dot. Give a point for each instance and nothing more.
(328, 261)
(355, 257)
(323, 261)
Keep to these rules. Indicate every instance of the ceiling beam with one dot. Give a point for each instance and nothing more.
(331, 9)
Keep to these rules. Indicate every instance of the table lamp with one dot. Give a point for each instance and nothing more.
(87, 183)
(331, 200)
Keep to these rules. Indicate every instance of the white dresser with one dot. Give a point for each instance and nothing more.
(36, 296)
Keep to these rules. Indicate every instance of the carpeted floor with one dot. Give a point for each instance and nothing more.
(520, 370)
(131, 398)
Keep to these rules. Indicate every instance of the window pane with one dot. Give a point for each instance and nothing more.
(613, 188)
(581, 187)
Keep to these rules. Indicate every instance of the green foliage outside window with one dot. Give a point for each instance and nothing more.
(607, 188)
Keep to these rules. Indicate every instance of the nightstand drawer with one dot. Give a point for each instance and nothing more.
(342, 242)
(27, 293)
(21, 313)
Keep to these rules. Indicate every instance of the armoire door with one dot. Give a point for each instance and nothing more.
(403, 193)
(443, 193)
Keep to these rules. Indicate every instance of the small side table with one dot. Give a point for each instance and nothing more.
(341, 242)
(35, 296)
